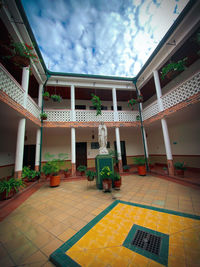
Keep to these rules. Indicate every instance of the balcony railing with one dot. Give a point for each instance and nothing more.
(14, 90)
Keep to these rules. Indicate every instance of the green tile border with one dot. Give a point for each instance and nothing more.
(59, 258)
(164, 249)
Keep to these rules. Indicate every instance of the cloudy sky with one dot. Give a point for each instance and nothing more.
(104, 37)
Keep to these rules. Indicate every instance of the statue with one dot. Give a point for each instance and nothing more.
(102, 139)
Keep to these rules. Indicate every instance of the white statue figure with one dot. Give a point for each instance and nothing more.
(102, 139)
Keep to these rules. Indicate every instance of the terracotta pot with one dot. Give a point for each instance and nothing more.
(66, 174)
(21, 61)
(10, 194)
(55, 180)
(117, 184)
(107, 185)
(179, 173)
(141, 170)
(127, 170)
(46, 98)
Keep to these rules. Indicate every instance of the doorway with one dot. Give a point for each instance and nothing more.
(81, 154)
(29, 156)
(123, 151)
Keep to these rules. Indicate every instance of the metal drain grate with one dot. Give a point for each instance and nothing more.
(147, 241)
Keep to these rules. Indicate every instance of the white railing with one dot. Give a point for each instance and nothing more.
(10, 86)
(32, 107)
(127, 115)
(182, 92)
(150, 110)
(58, 114)
(90, 115)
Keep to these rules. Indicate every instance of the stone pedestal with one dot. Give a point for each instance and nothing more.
(100, 162)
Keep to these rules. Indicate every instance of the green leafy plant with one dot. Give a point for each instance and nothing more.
(116, 176)
(138, 118)
(82, 168)
(139, 161)
(173, 66)
(179, 166)
(126, 167)
(29, 174)
(54, 163)
(90, 175)
(96, 102)
(106, 173)
(43, 116)
(11, 184)
(132, 102)
(46, 94)
(56, 98)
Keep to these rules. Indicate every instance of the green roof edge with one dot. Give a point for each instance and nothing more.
(133, 79)
(168, 34)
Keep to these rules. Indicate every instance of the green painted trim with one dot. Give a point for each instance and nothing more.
(164, 247)
(59, 258)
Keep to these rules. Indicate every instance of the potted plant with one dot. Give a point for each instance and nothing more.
(56, 98)
(131, 103)
(140, 162)
(46, 96)
(140, 98)
(117, 181)
(137, 117)
(82, 169)
(52, 167)
(43, 116)
(96, 102)
(90, 175)
(29, 175)
(172, 67)
(126, 168)
(66, 172)
(179, 168)
(106, 176)
(9, 187)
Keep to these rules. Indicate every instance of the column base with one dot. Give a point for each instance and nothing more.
(73, 169)
(18, 174)
(170, 167)
(37, 168)
(120, 166)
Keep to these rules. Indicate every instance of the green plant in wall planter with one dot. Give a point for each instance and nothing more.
(82, 169)
(43, 116)
(170, 68)
(96, 102)
(56, 98)
(131, 103)
(10, 187)
(138, 118)
(30, 175)
(46, 96)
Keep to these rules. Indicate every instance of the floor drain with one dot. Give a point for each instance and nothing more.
(147, 241)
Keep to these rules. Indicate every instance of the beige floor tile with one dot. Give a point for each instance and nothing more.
(51, 247)
(58, 229)
(67, 234)
(36, 259)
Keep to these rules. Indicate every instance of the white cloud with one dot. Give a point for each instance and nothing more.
(100, 37)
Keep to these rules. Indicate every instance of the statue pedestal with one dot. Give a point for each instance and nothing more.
(100, 162)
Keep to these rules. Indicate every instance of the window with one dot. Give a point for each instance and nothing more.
(95, 145)
(118, 107)
(80, 107)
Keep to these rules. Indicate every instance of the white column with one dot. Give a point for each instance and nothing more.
(118, 143)
(144, 132)
(73, 146)
(164, 124)
(73, 116)
(40, 95)
(37, 152)
(114, 96)
(25, 83)
(20, 145)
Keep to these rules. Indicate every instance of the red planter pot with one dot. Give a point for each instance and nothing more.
(141, 170)
(118, 184)
(107, 184)
(10, 194)
(55, 180)
(21, 61)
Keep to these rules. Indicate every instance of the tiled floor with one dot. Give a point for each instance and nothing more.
(52, 215)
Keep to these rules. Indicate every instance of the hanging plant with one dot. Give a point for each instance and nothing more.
(46, 96)
(132, 102)
(172, 67)
(96, 102)
(43, 116)
(56, 98)
(140, 98)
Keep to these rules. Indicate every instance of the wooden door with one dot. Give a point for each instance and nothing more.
(81, 154)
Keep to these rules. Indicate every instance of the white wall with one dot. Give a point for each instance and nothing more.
(7, 147)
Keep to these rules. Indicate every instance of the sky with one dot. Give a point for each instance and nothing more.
(102, 37)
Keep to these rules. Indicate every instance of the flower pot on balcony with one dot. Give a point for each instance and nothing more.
(20, 61)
